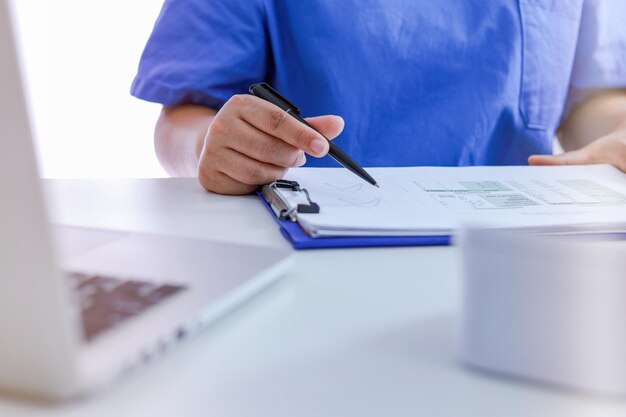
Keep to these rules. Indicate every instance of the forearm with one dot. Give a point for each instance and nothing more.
(600, 114)
(179, 137)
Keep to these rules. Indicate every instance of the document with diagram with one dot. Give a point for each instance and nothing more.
(438, 200)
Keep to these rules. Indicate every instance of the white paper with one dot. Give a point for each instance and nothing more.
(437, 200)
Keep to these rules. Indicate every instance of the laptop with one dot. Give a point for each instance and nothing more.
(79, 307)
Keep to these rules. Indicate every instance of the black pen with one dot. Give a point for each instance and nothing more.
(267, 93)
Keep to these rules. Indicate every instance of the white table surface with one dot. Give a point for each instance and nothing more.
(352, 332)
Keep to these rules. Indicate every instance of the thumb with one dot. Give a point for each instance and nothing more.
(329, 126)
(578, 157)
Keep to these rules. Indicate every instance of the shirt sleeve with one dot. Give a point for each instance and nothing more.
(600, 60)
(203, 52)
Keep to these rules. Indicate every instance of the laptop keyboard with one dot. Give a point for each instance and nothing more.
(106, 302)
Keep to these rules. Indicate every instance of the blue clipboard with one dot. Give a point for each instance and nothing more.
(299, 239)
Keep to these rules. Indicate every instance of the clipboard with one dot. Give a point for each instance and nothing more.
(286, 216)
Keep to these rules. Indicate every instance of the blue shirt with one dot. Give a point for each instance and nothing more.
(418, 82)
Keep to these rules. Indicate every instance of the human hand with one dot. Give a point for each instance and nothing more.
(609, 149)
(251, 142)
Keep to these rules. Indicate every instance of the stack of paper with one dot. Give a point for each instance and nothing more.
(429, 201)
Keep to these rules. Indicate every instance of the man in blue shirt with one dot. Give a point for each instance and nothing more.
(417, 82)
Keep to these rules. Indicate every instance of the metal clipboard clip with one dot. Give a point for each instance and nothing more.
(281, 207)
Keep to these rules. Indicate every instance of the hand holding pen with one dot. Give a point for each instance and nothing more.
(266, 92)
(252, 142)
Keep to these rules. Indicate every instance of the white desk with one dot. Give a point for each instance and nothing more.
(348, 333)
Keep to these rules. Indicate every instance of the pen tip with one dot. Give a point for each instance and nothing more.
(376, 185)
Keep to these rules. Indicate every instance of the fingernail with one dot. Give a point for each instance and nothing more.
(302, 160)
(318, 146)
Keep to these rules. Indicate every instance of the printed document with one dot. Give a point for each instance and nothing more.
(438, 200)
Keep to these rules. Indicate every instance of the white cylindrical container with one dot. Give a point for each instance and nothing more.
(548, 308)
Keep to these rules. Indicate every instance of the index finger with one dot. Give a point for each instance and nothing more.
(280, 124)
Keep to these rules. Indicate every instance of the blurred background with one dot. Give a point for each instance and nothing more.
(80, 58)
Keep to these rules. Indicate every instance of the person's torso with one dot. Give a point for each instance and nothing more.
(423, 82)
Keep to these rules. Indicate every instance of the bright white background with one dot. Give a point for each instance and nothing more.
(80, 58)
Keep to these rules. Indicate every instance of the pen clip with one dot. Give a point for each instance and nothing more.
(265, 91)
